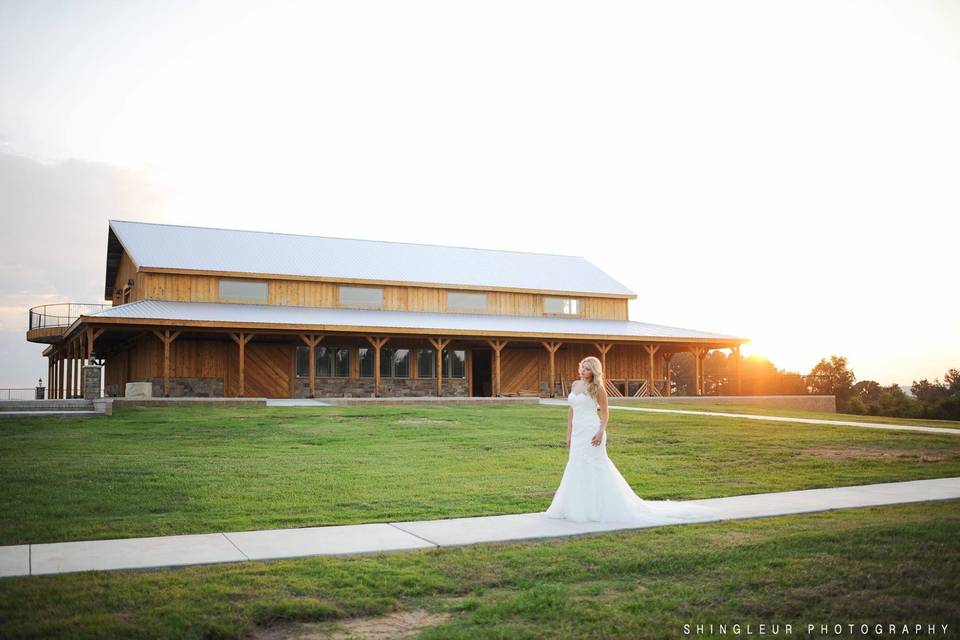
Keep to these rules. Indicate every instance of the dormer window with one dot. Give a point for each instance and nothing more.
(561, 306)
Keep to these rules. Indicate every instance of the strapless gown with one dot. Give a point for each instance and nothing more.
(593, 490)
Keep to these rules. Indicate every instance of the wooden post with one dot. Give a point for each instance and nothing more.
(377, 343)
(91, 339)
(552, 348)
(62, 384)
(167, 339)
(696, 351)
(667, 357)
(651, 377)
(703, 377)
(497, 346)
(736, 365)
(603, 348)
(241, 339)
(68, 391)
(312, 342)
(439, 344)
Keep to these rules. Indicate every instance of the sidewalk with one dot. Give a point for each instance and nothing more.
(750, 416)
(237, 546)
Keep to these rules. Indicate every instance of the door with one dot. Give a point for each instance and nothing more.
(267, 371)
(482, 372)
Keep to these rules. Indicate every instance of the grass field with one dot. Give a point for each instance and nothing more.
(161, 471)
(898, 564)
(156, 471)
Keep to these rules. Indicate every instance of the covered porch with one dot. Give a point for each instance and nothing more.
(186, 360)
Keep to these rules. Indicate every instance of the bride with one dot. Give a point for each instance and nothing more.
(592, 489)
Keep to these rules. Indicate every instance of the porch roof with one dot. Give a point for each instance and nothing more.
(211, 314)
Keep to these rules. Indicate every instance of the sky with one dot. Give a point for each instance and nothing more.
(784, 171)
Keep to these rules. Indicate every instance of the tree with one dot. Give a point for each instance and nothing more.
(833, 378)
(929, 393)
(867, 391)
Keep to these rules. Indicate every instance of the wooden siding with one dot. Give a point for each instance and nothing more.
(270, 367)
(128, 271)
(200, 288)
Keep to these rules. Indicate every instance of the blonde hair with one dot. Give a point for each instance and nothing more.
(593, 364)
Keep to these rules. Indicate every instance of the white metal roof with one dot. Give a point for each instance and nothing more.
(335, 317)
(229, 250)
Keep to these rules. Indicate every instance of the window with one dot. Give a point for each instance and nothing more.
(331, 362)
(394, 363)
(466, 301)
(366, 356)
(427, 363)
(567, 306)
(243, 291)
(454, 363)
(365, 296)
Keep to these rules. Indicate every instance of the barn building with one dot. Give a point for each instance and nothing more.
(202, 312)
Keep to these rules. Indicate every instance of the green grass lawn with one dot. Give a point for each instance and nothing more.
(706, 405)
(892, 564)
(161, 471)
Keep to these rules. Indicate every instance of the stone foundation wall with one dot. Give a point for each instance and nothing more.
(189, 387)
(389, 387)
(325, 388)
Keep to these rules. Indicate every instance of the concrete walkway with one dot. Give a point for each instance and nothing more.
(844, 423)
(237, 546)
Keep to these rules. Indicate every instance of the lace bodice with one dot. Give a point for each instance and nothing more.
(584, 408)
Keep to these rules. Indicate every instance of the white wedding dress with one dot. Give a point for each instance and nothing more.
(593, 490)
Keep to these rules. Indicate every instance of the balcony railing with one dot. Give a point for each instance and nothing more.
(62, 314)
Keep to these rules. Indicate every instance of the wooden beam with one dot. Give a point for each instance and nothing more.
(439, 344)
(377, 342)
(497, 346)
(552, 348)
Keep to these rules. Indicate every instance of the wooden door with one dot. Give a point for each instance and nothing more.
(268, 370)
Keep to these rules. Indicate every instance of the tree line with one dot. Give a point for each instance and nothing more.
(831, 376)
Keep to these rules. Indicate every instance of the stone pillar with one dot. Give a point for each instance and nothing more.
(92, 375)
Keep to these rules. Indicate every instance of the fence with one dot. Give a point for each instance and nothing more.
(61, 314)
(24, 393)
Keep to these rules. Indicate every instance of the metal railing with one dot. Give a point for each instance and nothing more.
(61, 314)
(18, 394)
